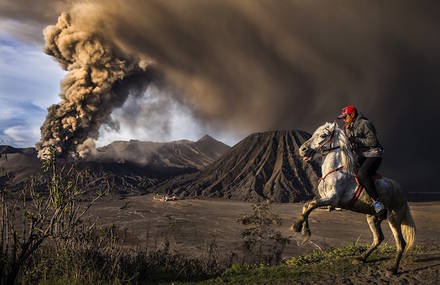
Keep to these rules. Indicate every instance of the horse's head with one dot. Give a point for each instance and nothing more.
(321, 137)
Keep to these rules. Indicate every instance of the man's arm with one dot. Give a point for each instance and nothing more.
(369, 134)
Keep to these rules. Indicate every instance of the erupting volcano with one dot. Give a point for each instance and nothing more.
(99, 79)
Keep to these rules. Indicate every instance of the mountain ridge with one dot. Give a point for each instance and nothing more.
(159, 161)
(179, 153)
(264, 165)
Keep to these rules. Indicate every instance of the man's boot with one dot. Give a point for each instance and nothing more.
(381, 212)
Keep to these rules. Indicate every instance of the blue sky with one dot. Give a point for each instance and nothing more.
(29, 83)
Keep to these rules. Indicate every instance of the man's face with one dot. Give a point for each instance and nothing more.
(349, 118)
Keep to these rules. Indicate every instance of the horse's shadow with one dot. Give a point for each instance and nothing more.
(420, 268)
(378, 259)
(435, 257)
(432, 258)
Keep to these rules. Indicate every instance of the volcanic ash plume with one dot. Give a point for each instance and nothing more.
(99, 79)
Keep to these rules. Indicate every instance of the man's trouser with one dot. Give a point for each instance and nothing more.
(368, 168)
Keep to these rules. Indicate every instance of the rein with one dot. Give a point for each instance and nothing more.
(356, 195)
(330, 140)
(327, 151)
(334, 170)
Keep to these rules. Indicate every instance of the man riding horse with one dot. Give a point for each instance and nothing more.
(338, 186)
(363, 137)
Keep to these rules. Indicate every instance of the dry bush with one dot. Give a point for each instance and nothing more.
(262, 244)
(98, 257)
(39, 214)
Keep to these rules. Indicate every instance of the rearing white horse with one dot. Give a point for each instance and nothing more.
(338, 188)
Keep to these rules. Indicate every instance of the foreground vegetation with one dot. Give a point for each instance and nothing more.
(97, 256)
(92, 265)
(311, 268)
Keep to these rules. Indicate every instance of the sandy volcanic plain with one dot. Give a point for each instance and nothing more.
(193, 223)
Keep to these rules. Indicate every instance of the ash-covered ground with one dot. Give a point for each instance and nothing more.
(191, 223)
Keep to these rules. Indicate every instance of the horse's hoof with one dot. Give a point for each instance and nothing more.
(391, 272)
(306, 239)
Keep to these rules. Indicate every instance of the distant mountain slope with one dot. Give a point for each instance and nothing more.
(183, 153)
(20, 162)
(262, 166)
(132, 167)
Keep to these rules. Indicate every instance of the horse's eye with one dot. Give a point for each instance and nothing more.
(323, 135)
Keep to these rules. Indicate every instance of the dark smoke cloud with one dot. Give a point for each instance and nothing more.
(258, 65)
(98, 80)
(26, 19)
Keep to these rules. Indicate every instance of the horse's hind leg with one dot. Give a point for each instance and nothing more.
(395, 224)
(378, 237)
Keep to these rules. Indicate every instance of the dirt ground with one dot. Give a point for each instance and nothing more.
(191, 224)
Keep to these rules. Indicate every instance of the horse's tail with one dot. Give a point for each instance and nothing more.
(408, 228)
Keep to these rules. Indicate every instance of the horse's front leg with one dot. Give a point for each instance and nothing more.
(302, 223)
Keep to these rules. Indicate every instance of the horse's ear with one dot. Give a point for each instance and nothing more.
(334, 125)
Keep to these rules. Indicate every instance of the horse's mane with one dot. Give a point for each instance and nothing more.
(348, 160)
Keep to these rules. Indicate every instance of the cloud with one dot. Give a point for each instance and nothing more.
(20, 123)
(156, 117)
(29, 82)
(27, 74)
(22, 135)
(26, 20)
(22, 31)
(152, 117)
(244, 66)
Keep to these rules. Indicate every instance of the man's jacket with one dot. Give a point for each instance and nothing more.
(366, 143)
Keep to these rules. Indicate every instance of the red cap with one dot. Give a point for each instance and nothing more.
(350, 109)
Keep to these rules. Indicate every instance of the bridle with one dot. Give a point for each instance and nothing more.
(325, 151)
